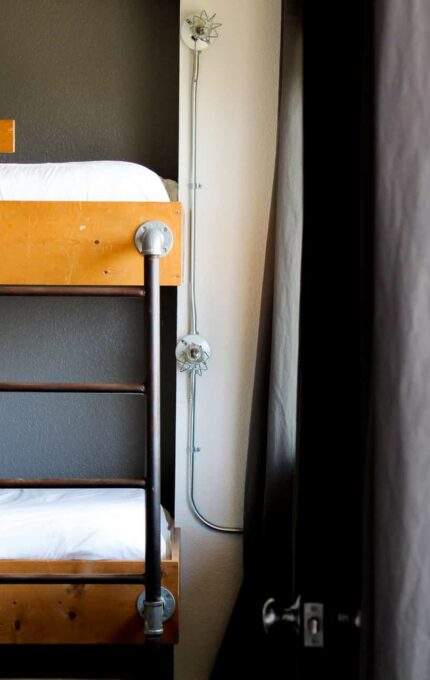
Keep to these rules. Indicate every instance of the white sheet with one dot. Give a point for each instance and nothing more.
(87, 524)
(86, 181)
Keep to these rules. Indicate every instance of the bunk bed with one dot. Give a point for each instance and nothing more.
(125, 248)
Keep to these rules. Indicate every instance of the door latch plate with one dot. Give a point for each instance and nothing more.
(313, 624)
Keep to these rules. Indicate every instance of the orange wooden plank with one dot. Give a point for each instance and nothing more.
(62, 243)
(7, 136)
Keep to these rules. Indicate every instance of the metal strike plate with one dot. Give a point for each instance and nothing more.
(153, 238)
(313, 624)
(168, 600)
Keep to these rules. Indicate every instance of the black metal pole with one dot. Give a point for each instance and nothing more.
(73, 483)
(78, 291)
(84, 388)
(66, 579)
(153, 448)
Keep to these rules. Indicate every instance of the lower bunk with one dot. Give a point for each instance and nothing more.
(77, 612)
(72, 567)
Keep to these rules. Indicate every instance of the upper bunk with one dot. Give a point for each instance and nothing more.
(70, 226)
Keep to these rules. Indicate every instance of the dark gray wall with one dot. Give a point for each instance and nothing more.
(86, 79)
(91, 79)
(72, 340)
(82, 340)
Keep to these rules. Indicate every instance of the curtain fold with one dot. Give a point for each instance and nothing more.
(268, 516)
(395, 251)
(401, 642)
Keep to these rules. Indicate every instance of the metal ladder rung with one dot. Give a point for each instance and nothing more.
(78, 291)
(72, 387)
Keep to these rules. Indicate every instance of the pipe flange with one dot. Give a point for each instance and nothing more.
(154, 238)
(167, 599)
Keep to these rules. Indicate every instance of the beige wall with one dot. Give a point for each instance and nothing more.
(237, 108)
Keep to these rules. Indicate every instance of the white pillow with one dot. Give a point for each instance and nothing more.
(80, 181)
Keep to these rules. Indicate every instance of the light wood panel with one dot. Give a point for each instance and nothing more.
(62, 243)
(7, 136)
(80, 614)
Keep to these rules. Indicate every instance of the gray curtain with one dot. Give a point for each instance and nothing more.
(402, 342)
(268, 535)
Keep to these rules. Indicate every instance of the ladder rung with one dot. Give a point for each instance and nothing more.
(78, 291)
(73, 482)
(66, 579)
(71, 387)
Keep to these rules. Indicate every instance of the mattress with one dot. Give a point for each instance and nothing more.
(76, 524)
(80, 181)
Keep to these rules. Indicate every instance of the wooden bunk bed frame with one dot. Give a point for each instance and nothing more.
(91, 249)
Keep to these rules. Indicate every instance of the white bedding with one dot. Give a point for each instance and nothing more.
(87, 524)
(80, 181)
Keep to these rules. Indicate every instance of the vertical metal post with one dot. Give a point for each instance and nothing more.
(153, 602)
(153, 240)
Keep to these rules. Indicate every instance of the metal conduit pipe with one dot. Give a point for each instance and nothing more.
(193, 351)
(153, 604)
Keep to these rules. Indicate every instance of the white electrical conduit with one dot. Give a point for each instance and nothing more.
(201, 29)
(193, 190)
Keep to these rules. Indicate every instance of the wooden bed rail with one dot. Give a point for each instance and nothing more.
(73, 612)
(87, 243)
